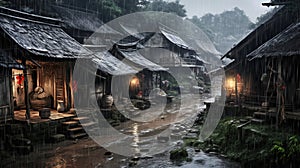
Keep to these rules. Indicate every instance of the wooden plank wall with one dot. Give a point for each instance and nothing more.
(6, 106)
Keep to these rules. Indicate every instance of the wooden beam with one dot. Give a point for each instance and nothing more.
(27, 114)
(276, 3)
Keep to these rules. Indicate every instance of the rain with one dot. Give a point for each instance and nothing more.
(149, 83)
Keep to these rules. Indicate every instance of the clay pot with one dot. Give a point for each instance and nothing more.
(107, 101)
(60, 106)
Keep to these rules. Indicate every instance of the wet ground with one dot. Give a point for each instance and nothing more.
(147, 144)
(86, 153)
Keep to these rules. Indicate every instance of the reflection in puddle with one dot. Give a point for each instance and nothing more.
(136, 138)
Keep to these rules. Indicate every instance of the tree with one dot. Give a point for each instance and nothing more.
(264, 17)
(170, 7)
(2, 2)
(222, 28)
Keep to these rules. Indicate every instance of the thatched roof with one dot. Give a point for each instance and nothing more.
(286, 43)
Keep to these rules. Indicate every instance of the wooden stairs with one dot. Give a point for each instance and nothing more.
(74, 129)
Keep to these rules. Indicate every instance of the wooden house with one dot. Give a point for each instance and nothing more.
(48, 55)
(147, 70)
(81, 24)
(279, 72)
(265, 71)
(239, 71)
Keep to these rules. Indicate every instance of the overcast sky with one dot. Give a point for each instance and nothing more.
(252, 8)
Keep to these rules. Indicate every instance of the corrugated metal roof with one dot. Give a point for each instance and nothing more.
(42, 39)
(110, 64)
(286, 43)
(140, 62)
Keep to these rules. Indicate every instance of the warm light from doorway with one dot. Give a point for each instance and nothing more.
(134, 81)
(230, 83)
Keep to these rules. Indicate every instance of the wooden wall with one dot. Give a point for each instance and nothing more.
(6, 101)
(55, 78)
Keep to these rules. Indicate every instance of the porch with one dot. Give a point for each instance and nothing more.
(19, 115)
(53, 129)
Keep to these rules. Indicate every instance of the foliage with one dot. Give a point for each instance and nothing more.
(264, 148)
(179, 155)
(2, 2)
(263, 18)
(107, 9)
(222, 28)
(169, 7)
(286, 151)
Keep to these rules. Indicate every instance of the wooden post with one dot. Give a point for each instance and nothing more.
(71, 85)
(27, 114)
(236, 91)
(278, 106)
(11, 94)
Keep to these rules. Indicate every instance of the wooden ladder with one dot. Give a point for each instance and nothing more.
(59, 82)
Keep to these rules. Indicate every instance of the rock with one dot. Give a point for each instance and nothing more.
(109, 158)
(132, 163)
(180, 154)
(175, 130)
(108, 154)
(146, 157)
(189, 159)
(200, 161)
(191, 136)
(123, 160)
(197, 143)
(196, 131)
(243, 121)
(135, 158)
(213, 153)
(197, 150)
(163, 138)
(224, 156)
(175, 136)
(211, 150)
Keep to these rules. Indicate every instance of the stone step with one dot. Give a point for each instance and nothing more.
(89, 124)
(57, 138)
(75, 129)
(80, 118)
(79, 135)
(70, 123)
(258, 121)
(258, 113)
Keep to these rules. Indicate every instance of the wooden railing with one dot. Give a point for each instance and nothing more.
(257, 100)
